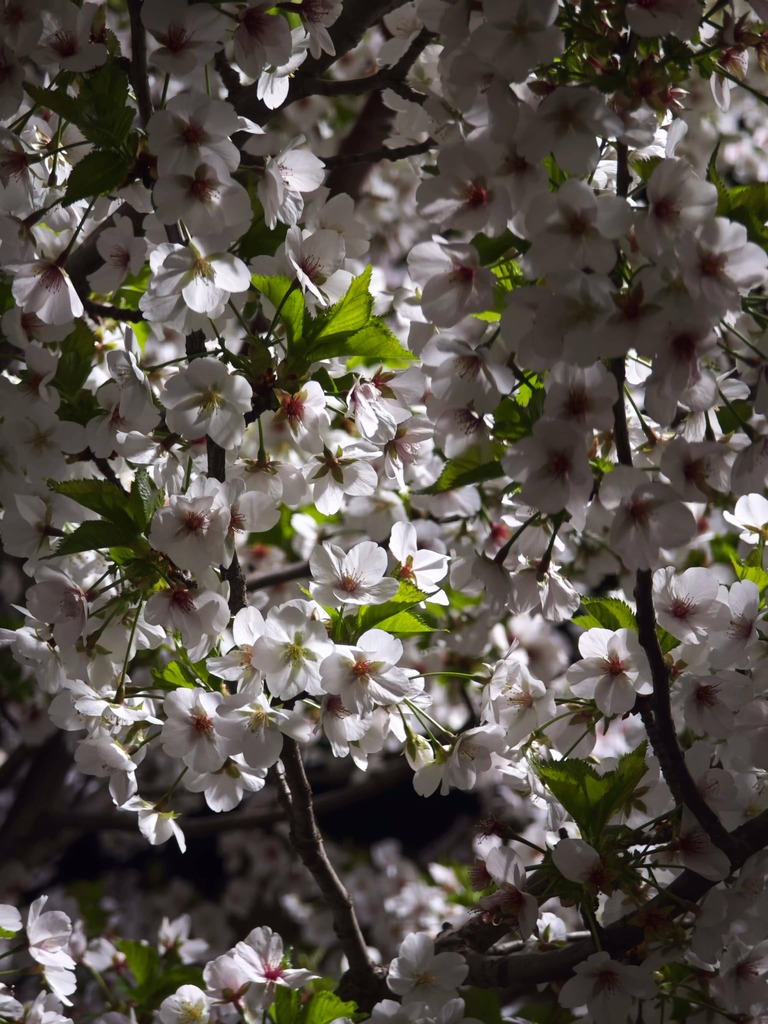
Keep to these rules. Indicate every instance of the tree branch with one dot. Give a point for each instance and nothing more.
(383, 153)
(517, 973)
(295, 571)
(106, 312)
(308, 843)
(657, 712)
(138, 67)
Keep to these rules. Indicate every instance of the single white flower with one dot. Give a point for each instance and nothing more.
(204, 398)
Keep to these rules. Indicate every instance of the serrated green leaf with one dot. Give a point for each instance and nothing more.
(172, 676)
(105, 117)
(145, 498)
(56, 100)
(95, 534)
(325, 1007)
(406, 597)
(492, 249)
(75, 361)
(100, 496)
(349, 315)
(142, 960)
(292, 309)
(645, 167)
(589, 798)
(471, 468)
(286, 1008)
(374, 343)
(606, 613)
(514, 419)
(406, 624)
(98, 173)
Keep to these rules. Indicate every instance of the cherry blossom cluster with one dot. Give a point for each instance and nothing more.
(465, 470)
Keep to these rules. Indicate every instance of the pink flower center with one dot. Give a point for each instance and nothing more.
(362, 669)
(201, 723)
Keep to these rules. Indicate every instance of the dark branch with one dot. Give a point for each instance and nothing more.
(308, 843)
(295, 571)
(383, 153)
(138, 66)
(519, 972)
(102, 312)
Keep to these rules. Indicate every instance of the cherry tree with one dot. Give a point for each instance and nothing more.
(384, 401)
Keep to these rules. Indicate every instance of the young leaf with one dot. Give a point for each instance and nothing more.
(589, 798)
(98, 173)
(348, 315)
(95, 534)
(102, 497)
(292, 309)
(287, 1008)
(372, 343)
(467, 469)
(143, 960)
(325, 1007)
(374, 614)
(76, 360)
(607, 613)
(145, 499)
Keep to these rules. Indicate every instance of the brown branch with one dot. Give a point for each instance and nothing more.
(138, 67)
(383, 153)
(656, 711)
(295, 571)
(387, 78)
(517, 973)
(356, 18)
(308, 843)
(217, 468)
(667, 747)
(106, 312)
(213, 824)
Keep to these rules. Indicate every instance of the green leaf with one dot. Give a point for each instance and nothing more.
(745, 571)
(145, 499)
(286, 1008)
(173, 676)
(99, 172)
(56, 100)
(606, 613)
(515, 418)
(292, 309)
(325, 1007)
(95, 534)
(406, 597)
(100, 110)
(76, 360)
(482, 1004)
(105, 117)
(100, 496)
(589, 798)
(373, 343)
(142, 960)
(490, 250)
(348, 315)
(471, 468)
(406, 624)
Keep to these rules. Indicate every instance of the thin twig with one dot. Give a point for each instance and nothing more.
(382, 153)
(294, 571)
(102, 312)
